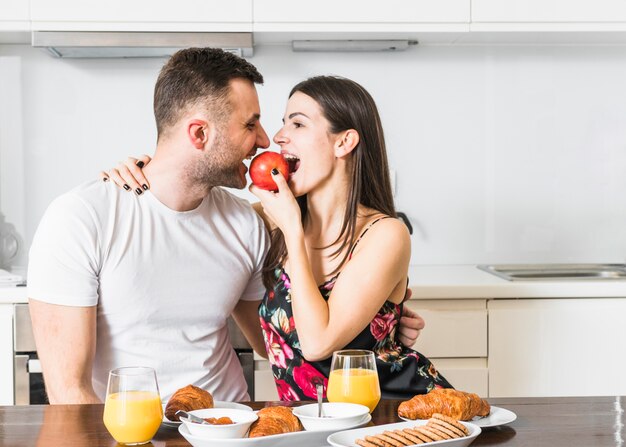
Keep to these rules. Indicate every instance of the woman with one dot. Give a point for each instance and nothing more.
(336, 272)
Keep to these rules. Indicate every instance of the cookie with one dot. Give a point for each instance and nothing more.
(433, 437)
(364, 443)
(375, 440)
(389, 440)
(409, 437)
(397, 437)
(443, 434)
(446, 428)
(418, 434)
(457, 431)
(432, 433)
(451, 421)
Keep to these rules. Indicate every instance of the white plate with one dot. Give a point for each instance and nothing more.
(300, 439)
(497, 416)
(216, 404)
(347, 438)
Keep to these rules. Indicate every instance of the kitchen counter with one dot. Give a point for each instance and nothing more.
(460, 282)
(554, 422)
(12, 294)
(468, 282)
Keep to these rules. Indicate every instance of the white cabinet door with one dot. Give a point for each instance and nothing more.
(555, 11)
(557, 347)
(14, 15)
(356, 15)
(455, 339)
(264, 384)
(6, 354)
(469, 375)
(142, 15)
(454, 328)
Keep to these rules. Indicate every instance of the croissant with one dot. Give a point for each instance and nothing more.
(274, 421)
(188, 398)
(459, 405)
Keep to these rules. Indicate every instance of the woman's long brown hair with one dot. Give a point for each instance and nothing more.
(346, 105)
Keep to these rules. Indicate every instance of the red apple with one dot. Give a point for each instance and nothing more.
(261, 169)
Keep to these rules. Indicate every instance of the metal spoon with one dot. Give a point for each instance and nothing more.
(320, 392)
(191, 417)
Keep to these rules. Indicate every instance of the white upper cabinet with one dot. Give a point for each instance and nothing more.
(142, 15)
(549, 15)
(14, 15)
(361, 15)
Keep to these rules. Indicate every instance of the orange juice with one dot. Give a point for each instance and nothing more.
(133, 417)
(358, 386)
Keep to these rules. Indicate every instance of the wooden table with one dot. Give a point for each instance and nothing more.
(554, 422)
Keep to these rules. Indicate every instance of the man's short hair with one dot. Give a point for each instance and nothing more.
(198, 76)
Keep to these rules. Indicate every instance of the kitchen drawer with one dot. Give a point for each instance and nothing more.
(471, 375)
(454, 328)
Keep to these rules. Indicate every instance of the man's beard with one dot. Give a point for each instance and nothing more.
(220, 166)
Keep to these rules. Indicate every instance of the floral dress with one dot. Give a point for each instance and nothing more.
(402, 372)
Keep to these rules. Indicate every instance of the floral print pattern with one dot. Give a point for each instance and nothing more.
(402, 372)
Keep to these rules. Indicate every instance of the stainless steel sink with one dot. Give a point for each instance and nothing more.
(557, 272)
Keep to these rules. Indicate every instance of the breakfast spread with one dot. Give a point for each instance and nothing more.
(456, 404)
(438, 428)
(441, 411)
(188, 398)
(275, 421)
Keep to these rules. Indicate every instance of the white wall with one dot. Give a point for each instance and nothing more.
(502, 153)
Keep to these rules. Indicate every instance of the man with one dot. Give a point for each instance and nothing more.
(118, 280)
(149, 279)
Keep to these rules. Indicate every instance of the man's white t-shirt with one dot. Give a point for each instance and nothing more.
(164, 282)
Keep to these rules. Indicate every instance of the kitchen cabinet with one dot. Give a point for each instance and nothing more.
(361, 15)
(545, 15)
(455, 339)
(6, 354)
(14, 15)
(557, 347)
(142, 15)
(264, 385)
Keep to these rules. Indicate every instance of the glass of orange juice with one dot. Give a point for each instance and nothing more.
(132, 410)
(354, 378)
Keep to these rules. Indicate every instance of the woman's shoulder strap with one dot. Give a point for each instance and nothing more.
(370, 225)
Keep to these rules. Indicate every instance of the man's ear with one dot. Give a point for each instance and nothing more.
(346, 142)
(200, 133)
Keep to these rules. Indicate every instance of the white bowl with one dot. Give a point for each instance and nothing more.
(242, 419)
(338, 416)
(216, 404)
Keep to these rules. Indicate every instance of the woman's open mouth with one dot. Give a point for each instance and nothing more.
(293, 161)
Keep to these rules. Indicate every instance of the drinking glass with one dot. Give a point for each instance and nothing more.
(132, 410)
(354, 378)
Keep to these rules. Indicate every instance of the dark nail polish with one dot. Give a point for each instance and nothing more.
(105, 179)
(140, 164)
(145, 187)
(126, 187)
(274, 171)
(139, 191)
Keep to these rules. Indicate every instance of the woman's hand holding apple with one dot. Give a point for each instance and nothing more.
(279, 206)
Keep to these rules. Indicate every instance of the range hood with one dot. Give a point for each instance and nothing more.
(81, 44)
